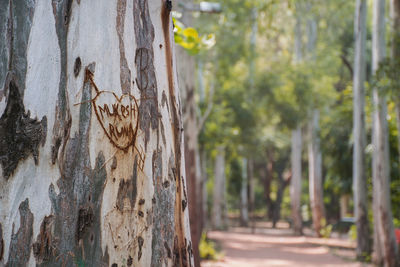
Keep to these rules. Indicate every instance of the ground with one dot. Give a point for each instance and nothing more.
(278, 247)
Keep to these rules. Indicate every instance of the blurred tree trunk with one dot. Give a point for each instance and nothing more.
(296, 145)
(244, 207)
(252, 181)
(247, 182)
(314, 146)
(359, 178)
(283, 182)
(295, 185)
(219, 189)
(204, 176)
(269, 175)
(79, 184)
(383, 219)
(315, 173)
(186, 69)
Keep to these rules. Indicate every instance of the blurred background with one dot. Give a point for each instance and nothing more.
(291, 118)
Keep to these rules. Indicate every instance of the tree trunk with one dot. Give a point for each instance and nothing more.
(296, 141)
(395, 55)
(295, 185)
(244, 207)
(314, 148)
(267, 182)
(219, 189)
(282, 183)
(204, 176)
(359, 178)
(315, 173)
(381, 159)
(252, 197)
(186, 68)
(91, 152)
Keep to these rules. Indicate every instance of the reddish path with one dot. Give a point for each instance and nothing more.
(279, 248)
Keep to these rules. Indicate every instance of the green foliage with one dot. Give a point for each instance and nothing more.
(207, 248)
(326, 229)
(254, 112)
(190, 39)
(387, 78)
(353, 232)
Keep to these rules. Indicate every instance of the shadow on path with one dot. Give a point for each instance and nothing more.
(277, 247)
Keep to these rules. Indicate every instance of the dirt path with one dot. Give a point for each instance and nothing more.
(279, 248)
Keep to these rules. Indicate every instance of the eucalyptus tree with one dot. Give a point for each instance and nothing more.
(360, 190)
(296, 144)
(384, 239)
(91, 147)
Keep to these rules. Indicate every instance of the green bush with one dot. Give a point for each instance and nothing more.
(207, 248)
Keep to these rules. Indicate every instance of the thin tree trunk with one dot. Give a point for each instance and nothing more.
(314, 148)
(315, 173)
(359, 178)
(219, 192)
(267, 182)
(91, 147)
(381, 159)
(283, 181)
(296, 141)
(204, 176)
(252, 183)
(244, 211)
(295, 185)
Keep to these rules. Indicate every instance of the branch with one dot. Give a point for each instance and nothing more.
(207, 113)
(347, 64)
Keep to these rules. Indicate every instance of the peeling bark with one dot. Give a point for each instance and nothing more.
(20, 135)
(20, 245)
(106, 204)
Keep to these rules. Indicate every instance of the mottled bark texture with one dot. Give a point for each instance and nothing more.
(359, 178)
(384, 239)
(69, 194)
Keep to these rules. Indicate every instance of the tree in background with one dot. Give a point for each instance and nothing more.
(384, 240)
(360, 190)
(296, 142)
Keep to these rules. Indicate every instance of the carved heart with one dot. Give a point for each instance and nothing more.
(118, 116)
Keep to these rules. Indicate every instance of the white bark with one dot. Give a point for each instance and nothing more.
(295, 183)
(383, 218)
(244, 207)
(88, 194)
(296, 141)
(359, 177)
(219, 189)
(315, 173)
